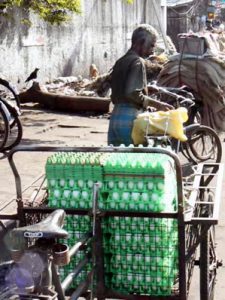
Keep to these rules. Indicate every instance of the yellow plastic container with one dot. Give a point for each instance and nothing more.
(160, 122)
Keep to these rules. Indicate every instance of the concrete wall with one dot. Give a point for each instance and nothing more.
(100, 35)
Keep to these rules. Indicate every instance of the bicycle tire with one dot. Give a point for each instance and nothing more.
(195, 117)
(207, 270)
(201, 136)
(8, 93)
(4, 129)
(15, 134)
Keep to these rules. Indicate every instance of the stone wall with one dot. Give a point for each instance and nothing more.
(99, 35)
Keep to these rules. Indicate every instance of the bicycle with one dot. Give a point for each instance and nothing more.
(203, 143)
(11, 130)
(37, 254)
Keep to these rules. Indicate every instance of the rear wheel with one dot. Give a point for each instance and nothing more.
(205, 145)
(208, 265)
(7, 92)
(15, 134)
(4, 128)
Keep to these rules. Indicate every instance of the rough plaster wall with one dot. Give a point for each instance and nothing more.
(100, 35)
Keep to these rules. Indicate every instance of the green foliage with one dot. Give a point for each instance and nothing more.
(53, 11)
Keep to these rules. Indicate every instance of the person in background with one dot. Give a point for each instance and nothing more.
(129, 86)
(209, 25)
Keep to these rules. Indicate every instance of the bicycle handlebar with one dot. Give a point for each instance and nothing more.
(172, 92)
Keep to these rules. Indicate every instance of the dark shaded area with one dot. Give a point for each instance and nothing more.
(5, 226)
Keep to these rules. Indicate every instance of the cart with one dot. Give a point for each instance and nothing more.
(194, 221)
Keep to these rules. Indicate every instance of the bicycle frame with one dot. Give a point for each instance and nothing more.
(48, 253)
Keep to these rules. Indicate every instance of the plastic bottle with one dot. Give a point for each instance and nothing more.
(130, 184)
(110, 184)
(121, 184)
(54, 202)
(150, 185)
(140, 185)
(75, 197)
(80, 183)
(90, 184)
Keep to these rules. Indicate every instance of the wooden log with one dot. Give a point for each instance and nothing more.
(64, 103)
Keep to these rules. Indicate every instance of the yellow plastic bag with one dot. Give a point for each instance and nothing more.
(160, 122)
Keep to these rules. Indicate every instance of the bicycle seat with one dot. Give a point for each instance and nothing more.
(49, 228)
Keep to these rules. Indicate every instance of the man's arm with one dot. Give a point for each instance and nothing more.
(135, 86)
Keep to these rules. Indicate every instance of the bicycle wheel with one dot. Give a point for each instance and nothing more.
(4, 128)
(208, 265)
(204, 145)
(194, 116)
(15, 134)
(7, 92)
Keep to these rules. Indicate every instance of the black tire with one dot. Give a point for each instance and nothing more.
(195, 117)
(15, 134)
(7, 92)
(4, 128)
(205, 145)
(208, 265)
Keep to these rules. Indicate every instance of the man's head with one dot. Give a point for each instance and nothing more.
(144, 39)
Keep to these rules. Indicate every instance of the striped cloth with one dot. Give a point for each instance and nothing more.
(121, 124)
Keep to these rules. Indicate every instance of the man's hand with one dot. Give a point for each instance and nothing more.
(165, 106)
(152, 89)
(158, 105)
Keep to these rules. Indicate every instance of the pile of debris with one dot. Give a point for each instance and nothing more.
(81, 94)
(200, 65)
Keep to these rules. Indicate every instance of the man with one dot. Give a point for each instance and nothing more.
(209, 25)
(129, 86)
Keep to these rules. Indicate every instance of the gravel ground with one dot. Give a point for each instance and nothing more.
(47, 128)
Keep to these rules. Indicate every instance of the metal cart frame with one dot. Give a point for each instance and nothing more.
(187, 220)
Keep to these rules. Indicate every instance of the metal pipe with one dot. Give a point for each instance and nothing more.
(108, 213)
(219, 185)
(82, 287)
(67, 281)
(94, 213)
(56, 281)
(80, 243)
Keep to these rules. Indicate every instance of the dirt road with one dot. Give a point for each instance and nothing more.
(58, 129)
(46, 128)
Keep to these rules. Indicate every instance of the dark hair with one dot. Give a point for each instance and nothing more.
(144, 33)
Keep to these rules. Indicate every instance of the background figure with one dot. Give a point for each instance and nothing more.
(129, 86)
(209, 25)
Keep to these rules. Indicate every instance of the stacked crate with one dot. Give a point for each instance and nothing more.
(140, 182)
(140, 253)
(70, 180)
